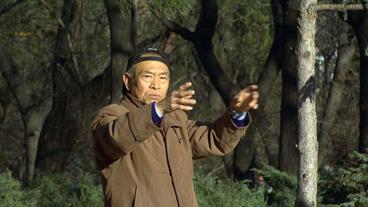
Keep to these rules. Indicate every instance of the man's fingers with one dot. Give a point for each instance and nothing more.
(186, 93)
(255, 95)
(241, 97)
(255, 107)
(244, 96)
(181, 107)
(183, 94)
(181, 99)
(253, 104)
(185, 108)
(251, 88)
(186, 101)
(183, 91)
(185, 86)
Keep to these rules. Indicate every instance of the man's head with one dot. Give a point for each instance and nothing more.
(148, 76)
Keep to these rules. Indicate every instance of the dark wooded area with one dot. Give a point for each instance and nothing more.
(61, 61)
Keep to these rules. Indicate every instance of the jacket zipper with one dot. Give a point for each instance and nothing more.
(168, 164)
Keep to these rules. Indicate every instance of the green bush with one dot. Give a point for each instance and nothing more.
(346, 185)
(280, 187)
(54, 190)
(62, 190)
(226, 193)
(12, 195)
(341, 187)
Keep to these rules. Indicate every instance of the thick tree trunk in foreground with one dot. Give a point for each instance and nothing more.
(307, 117)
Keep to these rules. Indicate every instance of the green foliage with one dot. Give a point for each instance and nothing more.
(226, 193)
(243, 38)
(51, 191)
(28, 31)
(348, 185)
(12, 195)
(343, 187)
(60, 190)
(170, 8)
(280, 187)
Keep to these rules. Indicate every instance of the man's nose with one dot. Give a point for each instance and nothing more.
(155, 84)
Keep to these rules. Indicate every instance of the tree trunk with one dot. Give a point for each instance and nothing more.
(58, 135)
(289, 131)
(121, 28)
(75, 102)
(245, 152)
(33, 109)
(203, 35)
(202, 40)
(307, 117)
(359, 21)
(345, 57)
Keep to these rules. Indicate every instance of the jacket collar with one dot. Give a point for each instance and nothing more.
(130, 101)
(170, 119)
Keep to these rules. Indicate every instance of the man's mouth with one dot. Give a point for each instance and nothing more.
(154, 96)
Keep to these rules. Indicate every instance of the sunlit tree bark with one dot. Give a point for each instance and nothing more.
(307, 117)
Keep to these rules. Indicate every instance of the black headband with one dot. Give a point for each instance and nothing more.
(137, 58)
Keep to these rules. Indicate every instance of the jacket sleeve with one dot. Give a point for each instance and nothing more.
(218, 138)
(117, 131)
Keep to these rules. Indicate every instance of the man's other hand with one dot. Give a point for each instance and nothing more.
(246, 99)
(179, 99)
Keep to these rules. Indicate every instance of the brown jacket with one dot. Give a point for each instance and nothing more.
(143, 165)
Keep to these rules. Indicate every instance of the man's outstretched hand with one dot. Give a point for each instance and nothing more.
(245, 99)
(179, 99)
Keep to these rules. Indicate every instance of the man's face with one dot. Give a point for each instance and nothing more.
(151, 81)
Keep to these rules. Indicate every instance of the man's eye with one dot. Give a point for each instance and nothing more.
(163, 77)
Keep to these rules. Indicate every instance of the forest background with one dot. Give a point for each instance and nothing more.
(61, 61)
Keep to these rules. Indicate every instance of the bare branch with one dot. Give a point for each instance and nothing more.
(150, 41)
(173, 26)
(202, 40)
(8, 7)
(60, 21)
(19, 88)
(338, 7)
(206, 25)
(203, 35)
(33, 114)
(69, 39)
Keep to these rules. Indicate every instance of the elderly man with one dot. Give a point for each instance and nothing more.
(145, 144)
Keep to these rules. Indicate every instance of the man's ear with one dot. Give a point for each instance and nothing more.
(127, 80)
